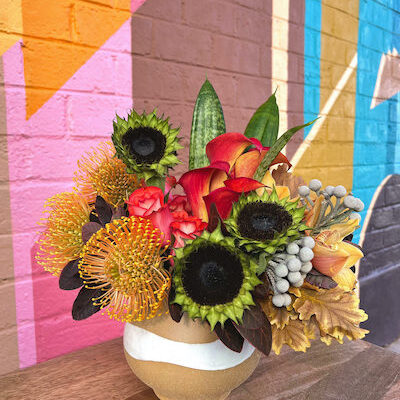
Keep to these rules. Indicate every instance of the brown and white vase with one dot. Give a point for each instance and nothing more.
(185, 361)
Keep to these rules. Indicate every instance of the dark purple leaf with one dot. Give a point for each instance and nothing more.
(94, 218)
(260, 338)
(315, 278)
(214, 219)
(229, 336)
(83, 305)
(103, 210)
(119, 212)
(69, 277)
(89, 229)
(175, 310)
(253, 318)
(349, 238)
(261, 291)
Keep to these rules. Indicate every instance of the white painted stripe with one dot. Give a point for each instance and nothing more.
(325, 111)
(280, 58)
(147, 346)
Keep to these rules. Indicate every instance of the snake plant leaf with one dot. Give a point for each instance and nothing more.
(208, 122)
(264, 123)
(276, 149)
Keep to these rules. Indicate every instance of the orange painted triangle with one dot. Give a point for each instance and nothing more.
(59, 37)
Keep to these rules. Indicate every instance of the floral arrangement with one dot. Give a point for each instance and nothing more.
(238, 241)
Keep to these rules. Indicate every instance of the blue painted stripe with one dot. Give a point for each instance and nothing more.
(312, 55)
(376, 136)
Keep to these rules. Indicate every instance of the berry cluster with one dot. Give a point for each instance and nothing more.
(289, 268)
(336, 207)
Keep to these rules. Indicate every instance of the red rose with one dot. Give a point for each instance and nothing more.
(144, 201)
(179, 203)
(186, 227)
(148, 202)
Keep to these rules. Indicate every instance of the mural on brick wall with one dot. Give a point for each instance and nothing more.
(68, 66)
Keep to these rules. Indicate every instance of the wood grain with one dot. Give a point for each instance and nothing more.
(353, 371)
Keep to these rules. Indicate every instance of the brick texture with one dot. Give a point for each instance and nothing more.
(173, 45)
(380, 268)
(176, 44)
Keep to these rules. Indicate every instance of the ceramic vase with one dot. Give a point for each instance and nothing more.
(186, 360)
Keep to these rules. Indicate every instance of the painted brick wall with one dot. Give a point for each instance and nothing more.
(67, 66)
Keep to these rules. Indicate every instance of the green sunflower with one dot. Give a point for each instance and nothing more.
(213, 280)
(147, 144)
(265, 223)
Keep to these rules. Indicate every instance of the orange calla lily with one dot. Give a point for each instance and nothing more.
(334, 257)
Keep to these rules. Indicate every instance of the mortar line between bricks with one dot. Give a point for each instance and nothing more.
(102, 5)
(212, 30)
(66, 91)
(231, 73)
(240, 6)
(67, 42)
(378, 272)
(339, 9)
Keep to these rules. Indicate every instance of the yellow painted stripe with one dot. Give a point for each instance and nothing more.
(328, 152)
(10, 23)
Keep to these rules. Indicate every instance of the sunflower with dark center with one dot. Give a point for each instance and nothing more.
(147, 144)
(213, 280)
(265, 223)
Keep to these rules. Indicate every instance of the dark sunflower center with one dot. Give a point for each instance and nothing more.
(146, 145)
(212, 275)
(260, 221)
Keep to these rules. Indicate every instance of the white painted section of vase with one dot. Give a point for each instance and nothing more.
(147, 346)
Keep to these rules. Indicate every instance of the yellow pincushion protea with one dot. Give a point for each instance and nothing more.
(125, 260)
(61, 241)
(100, 174)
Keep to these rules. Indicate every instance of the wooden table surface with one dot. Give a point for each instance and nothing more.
(353, 371)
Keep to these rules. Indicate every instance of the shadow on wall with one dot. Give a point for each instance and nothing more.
(380, 268)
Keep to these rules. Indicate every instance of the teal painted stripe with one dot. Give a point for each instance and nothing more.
(312, 55)
(376, 133)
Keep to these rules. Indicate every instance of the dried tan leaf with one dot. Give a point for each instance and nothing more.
(310, 327)
(284, 178)
(293, 334)
(278, 316)
(336, 312)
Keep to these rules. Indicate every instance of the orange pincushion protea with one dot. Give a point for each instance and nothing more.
(103, 175)
(125, 260)
(61, 241)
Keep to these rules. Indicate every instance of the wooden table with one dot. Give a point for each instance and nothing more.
(353, 371)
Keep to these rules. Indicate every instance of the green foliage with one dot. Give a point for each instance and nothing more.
(264, 123)
(275, 150)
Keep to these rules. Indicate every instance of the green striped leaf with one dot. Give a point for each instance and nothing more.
(208, 123)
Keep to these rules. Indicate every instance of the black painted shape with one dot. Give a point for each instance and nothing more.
(380, 268)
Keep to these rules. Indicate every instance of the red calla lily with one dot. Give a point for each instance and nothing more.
(227, 158)
(224, 197)
(197, 183)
